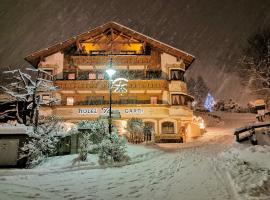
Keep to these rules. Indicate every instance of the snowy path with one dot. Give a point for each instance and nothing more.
(186, 173)
(194, 171)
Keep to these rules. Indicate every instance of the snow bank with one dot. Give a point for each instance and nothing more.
(137, 153)
(249, 171)
(14, 128)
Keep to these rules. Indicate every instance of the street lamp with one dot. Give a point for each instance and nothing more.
(110, 71)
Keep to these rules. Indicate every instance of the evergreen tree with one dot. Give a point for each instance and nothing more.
(200, 90)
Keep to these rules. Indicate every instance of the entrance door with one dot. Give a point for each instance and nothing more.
(149, 129)
(9, 152)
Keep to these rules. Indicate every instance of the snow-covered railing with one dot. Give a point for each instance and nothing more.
(249, 127)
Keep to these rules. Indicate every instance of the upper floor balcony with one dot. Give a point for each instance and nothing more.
(118, 60)
(85, 85)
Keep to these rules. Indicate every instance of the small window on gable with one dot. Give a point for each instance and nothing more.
(70, 101)
(71, 76)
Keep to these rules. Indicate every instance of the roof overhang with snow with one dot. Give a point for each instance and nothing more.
(35, 57)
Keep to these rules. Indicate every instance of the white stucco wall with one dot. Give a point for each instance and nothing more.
(167, 59)
(56, 60)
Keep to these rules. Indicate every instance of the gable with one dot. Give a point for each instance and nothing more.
(109, 37)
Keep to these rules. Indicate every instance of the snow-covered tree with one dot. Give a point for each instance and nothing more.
(191, 84)
(135, 128)
(43, 141)
(198, 89)
(26, 90)
(113, 150)
(96, 130)
(254, 68)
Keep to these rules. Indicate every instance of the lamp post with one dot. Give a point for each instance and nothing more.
(110, 71)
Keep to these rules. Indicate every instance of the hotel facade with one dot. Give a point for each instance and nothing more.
(149, 73)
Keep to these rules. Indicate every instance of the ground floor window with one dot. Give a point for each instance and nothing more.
(167, 127)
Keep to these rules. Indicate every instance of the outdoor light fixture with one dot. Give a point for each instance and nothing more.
(110, 71)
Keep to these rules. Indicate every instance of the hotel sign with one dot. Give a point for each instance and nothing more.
(99, 111)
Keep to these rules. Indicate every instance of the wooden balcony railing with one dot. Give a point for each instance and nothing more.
(130, 101)
(103, 60)
(103, 84)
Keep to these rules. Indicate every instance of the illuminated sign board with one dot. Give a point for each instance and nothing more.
(98, 111)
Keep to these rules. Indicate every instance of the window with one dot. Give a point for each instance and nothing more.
(100, 76)
(48, 75)
(99, 100)
(177, 75)
(45, 98)
(167, 128)
(70, 101)
(49, 71)
(132, 100)
(123, 100)
(153, 100)
(71, 76)
(176, 99)
(92, 76)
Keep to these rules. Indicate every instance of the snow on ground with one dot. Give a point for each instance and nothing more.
(212, 167)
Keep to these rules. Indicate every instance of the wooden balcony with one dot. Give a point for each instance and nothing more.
(103, 84)
(178, 86)
(117, 60)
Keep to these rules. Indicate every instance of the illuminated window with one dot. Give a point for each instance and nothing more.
(71, 76)
(167, 128)
(176, 99)
(70, 101)
(132, 100)
(100, 76)
(92, 76)
(123, 100)
(153, 100)
(45, 98)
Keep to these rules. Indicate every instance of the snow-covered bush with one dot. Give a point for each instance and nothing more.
(112, 150)
(91, 134)
(230, 106)
(96, 130)
(135, 126)
(42, 142)
(94, 137)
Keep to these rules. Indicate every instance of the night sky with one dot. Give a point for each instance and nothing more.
(213, 31)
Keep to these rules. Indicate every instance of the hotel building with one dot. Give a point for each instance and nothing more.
(156, 90)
